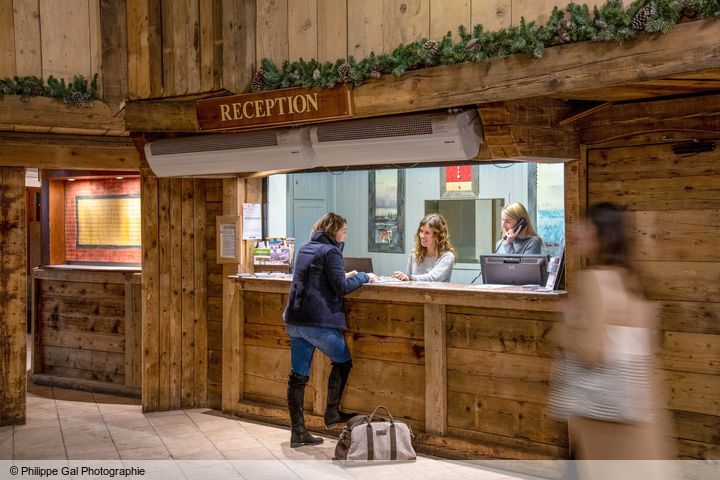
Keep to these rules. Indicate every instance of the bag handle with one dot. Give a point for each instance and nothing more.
(372, 415)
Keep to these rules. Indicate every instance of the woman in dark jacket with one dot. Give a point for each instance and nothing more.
(314, 318)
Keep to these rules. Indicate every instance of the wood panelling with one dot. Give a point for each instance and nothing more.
(303, 29)
(13, 295)
(444, 369)
(176, 350)
(56, 224)
(238, 19)
(672, 203)
(65, 28)
(656, 122)
(492, 14)
(404, 21)
(26, 15)
(332, 34)
(7, 40)
(365, 27)
(87, 327)
(144, 48)
(114, 46)
(213, 208)
(447, 16)
(272, 30)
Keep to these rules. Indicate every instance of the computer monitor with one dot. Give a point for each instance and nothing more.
(360, 264)
(514, 269)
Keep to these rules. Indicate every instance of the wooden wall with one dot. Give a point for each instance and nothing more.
(330, 29)
(86, 329)
(214, 208)
(174, 304)
(13, 290)
(674, 201)
(189, 46)
(194, 46)
(46, 37)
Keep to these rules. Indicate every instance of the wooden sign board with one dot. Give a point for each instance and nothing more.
(276, 107)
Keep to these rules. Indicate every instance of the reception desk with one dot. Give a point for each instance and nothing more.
(87, 328)
(465, 366)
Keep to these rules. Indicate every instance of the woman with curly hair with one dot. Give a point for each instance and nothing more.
(433, 257)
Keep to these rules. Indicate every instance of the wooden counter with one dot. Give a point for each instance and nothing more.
(466, 368)
(87, 328)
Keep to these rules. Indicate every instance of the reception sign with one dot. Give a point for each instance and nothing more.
(275, 107)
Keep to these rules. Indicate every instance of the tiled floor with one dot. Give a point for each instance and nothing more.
(66, 425)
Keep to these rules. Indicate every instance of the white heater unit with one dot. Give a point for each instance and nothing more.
(229, 153)
(435, 137)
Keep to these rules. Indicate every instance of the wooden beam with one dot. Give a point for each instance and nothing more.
(435, 369)
(676, 119)
(120, 156)
(527, 130)
(563, 71)
(688, 47)
(113, 31)
(233, 368)
(13, 295)
(45, 113)
(161, 116)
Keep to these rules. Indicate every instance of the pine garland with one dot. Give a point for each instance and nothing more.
(76, 93)
(610, 22)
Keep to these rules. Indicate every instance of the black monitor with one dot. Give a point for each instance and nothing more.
(514, 269)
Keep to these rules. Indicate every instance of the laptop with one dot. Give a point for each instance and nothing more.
(360, 264)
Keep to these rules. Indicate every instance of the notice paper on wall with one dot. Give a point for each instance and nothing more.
(227, 240)
(252, 221)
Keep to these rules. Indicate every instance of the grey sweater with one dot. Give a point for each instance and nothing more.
(431, 269)
(519, 246)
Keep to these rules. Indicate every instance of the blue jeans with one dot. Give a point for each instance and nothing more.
(304, 340)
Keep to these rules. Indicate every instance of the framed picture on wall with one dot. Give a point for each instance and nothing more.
(459, 181)
(386, 232)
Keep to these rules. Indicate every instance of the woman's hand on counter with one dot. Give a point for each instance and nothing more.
(349, 275)
(373, 277)
(401, 276)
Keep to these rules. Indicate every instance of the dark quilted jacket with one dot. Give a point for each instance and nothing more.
(319, 284)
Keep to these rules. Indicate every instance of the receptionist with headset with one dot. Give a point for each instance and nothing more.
(519, 237)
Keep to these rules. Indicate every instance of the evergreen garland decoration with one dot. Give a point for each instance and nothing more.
(76, 93)
(610, 22)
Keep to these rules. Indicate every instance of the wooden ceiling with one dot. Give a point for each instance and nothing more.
(705, 81)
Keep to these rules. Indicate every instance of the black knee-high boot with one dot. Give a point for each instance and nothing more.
(336, 384)
(296, 394)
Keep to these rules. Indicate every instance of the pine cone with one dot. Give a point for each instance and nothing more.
(316, 74)
(294, 76)
(431, 46)
(77, 98)
(258, 81)
(688, 9)
(36, 89)
(473, 45)
(375, 73)
(563, 36)
(642, 16)
(567, 24)
(600, 24)
(344, 72)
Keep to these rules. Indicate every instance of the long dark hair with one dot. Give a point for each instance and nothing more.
(442, 237)
(613, 243)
